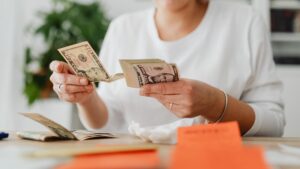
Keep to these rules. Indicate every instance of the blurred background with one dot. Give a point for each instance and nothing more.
(32, 30)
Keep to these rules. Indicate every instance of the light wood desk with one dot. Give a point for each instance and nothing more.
(164, 150)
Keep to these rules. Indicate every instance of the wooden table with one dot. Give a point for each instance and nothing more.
(164, 150)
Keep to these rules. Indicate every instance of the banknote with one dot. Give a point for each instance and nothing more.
(148, 71)
(59, 132)
(85, 62)
(53, 126)
(137, 72)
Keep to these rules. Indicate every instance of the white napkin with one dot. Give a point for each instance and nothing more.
(163, 134)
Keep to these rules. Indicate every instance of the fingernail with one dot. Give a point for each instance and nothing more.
(83, 81)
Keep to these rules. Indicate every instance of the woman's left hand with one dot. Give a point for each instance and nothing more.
(187, 98)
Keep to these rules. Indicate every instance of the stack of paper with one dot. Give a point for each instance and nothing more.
(215, 146)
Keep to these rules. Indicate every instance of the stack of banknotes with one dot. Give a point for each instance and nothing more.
(137, 72)
(58, 132)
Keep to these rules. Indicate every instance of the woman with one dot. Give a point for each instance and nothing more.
(224, 58)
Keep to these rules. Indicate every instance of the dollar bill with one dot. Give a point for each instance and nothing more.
(85, 62)
(148, 71)
(59, 132)
(138, 72)
(51, 125)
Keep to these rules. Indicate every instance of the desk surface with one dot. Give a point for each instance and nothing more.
(269, 144)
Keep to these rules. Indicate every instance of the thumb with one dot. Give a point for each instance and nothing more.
(61, 67)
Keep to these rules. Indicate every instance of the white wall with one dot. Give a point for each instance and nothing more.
(290, 76)
(7, 18)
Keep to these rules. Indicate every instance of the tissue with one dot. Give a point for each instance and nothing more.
(163, 134)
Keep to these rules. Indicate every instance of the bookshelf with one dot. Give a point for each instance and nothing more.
(285, 37)
(285, 29)
(285, 4)
(286, 49)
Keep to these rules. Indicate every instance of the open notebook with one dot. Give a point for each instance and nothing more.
(58, 131)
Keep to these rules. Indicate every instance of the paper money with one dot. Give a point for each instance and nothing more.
(59, 132)
(53, 126)
(85, 62)
(39, 136)
(148, 71)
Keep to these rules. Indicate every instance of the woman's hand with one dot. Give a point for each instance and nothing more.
(67, 85)
(187, 98)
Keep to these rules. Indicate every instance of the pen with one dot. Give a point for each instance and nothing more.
(3, 135)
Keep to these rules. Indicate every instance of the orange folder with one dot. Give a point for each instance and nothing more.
(222, 158)
(221, 134)
(126, 160)
(215, 146)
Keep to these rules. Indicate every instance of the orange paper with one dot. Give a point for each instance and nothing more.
(223, 158)
(215, 146)
(210, 135)
(128, 160)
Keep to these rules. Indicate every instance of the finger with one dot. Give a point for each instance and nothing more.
(168, 98)
(177, 109)
(67, 97)
(162, 88)
(60, 67)
(68, 79)
(71, 89)
(81, 96)
(181, 103)
(56, 89)
(74, 98)
(172, 107)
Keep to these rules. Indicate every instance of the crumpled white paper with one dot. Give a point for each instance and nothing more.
(163, 134)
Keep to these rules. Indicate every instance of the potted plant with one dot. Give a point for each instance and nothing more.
(67, 23)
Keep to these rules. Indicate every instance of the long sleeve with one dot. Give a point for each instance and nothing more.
(108, 58)
(264, 90)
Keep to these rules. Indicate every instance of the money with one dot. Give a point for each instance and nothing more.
(59, 132)
(53, 126)
(85, 62)
(148, 71)
(138, 72)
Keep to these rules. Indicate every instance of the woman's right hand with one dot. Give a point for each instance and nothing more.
(68, 86)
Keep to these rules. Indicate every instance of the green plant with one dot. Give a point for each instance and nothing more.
(67, 23)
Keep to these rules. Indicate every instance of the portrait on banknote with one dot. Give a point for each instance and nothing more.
(155, 73)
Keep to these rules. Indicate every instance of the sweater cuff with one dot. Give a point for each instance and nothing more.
(257, 122)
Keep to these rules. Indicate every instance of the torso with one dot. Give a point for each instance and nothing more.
(211, 53)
